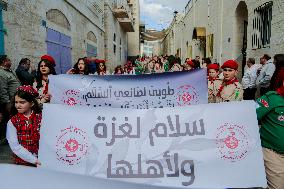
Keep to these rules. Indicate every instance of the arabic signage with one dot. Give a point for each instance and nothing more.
(131, 91)
(173, 147)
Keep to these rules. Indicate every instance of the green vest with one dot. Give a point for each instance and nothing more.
(271, 115)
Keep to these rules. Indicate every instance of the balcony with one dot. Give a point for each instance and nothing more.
(120, 12)
(126, 24)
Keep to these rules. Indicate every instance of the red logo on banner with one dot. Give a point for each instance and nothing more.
(187, 95)
(233, 142)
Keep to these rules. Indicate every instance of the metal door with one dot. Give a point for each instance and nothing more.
(3, 6)
(59, 47)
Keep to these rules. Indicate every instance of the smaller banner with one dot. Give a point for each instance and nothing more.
(131, 91)
(204, 146)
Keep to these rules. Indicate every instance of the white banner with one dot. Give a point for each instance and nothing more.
(15, 177)
(195, 146)
(131, 91)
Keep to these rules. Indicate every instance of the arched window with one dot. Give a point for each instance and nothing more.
(58, 18)
(92, 37)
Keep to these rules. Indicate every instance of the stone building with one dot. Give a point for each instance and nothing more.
(222, 30)
(134, 37)
(65, 29)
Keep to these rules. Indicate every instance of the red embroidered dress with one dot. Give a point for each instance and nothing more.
(27, 133)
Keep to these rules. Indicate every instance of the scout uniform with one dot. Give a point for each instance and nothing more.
(271, 114)
(230, 90)
(213, 84)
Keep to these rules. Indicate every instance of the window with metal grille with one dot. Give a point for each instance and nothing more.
(262, 26)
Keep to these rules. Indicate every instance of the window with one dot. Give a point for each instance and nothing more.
(262, 26)
(57, 17)
(92, 37)
(114, 43)
(114, 37)
(114, 49)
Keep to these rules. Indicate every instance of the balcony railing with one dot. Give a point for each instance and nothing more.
(121, 9)
(120, 12)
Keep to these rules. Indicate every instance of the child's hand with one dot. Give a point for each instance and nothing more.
(38, 163)
(47, 97)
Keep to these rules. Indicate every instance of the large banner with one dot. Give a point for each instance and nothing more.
(131, 91)
(196, 146)
(15, 176)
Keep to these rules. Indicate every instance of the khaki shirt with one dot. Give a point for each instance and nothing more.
(231, 92)
(213, 87)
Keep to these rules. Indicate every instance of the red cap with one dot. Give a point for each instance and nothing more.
(100, 61)
(189, 62)
(230, 64)
(213, 66)
(29, 89)
(48, 58)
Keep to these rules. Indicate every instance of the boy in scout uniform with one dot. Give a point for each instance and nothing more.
(213, 82)
(229, 89)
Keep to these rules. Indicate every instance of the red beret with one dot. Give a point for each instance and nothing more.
(48, 58)
(213, 66)
(230, 64)
(189, 62)
(100, 61)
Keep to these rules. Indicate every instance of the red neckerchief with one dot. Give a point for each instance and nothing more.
(280, 91)
(225, 83)
(212, 78)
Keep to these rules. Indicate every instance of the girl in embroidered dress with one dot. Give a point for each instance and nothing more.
(23, 128)
(45, 67)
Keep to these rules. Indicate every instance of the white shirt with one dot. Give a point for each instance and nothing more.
(16, 147)
(265, 75)
(250, 75)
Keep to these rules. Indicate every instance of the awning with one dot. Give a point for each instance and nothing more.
(152, 36)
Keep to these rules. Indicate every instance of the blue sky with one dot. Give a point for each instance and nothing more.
(158, 14)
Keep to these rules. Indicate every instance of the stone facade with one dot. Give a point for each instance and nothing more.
(115, 38)
(134, 37)
(216, 29)
(84, 21)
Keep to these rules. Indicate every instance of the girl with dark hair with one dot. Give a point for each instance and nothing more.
(158, 67)
(80, 67)
(101, 68)
(23, 128)
(45, 68)
(118, 70)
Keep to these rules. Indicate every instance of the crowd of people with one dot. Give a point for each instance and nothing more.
(23, 92)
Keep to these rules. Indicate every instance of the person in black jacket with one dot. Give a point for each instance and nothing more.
(25, 77)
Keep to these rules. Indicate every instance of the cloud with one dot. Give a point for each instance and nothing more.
(159, 13)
